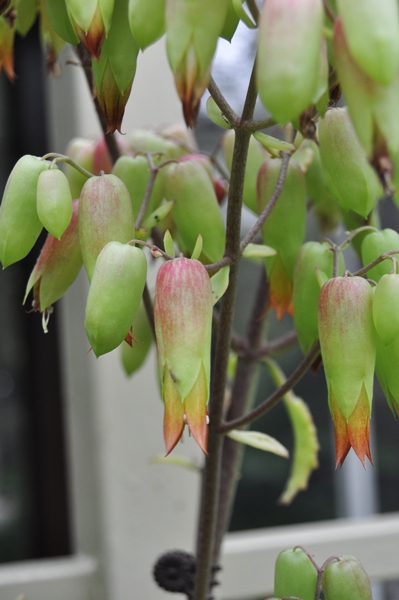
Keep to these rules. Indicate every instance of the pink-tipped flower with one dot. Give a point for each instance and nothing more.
(192, 31)
(92, 21)
(183, 323)
(7, 33)
(348, 347)
(373, 108)
(57, 267)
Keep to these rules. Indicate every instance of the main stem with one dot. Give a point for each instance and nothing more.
(212, 469)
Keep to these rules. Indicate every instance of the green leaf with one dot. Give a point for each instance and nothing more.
(197, 248)
(259, 440)
(244, 17)
(306, 444)
(160, 213)
(177, 460)
(271, 143)
(258, 250)
(215, 114)
(168, 244)
(220, 282)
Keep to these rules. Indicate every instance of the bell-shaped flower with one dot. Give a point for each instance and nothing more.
(387, 371)
(192, 31)
(20, 225)
(344, 578)
(284, 229)
(196, 210)
(375, 244)
(105, 215)
(115, 294)
(147, 21)
(311, 258)
(54, 201)
(114, 72)
(348, 347)
(373, 108)
(386, 307)
(372, 32)
(288, 58)
(57, 267)
(183, 324)
(295, 575)
(349, 177)
(92, 21)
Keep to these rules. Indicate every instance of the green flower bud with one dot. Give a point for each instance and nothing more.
(54, 201)
(147, 21)
(375, 244)
(114, 73)
(183, 326)
(386, 368)
(348, 348)
(372, 33)
(105, 215)
(135, 174)
(81, 151)
(284, 229)
(326, 210)
(61, 21)
(288, 58)
(295, 575)
(115, 295)
(312, 257)
(144, 140)
(386, 308)
(344, 578)
(91, 20)
(57, 267)
(133, 356)
(192, 31)
(19, 224)
(196, 210)
(373, 108)
(256, 157)
(349, 177)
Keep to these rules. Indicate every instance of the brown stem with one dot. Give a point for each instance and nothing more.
(211, 473)
(242, 398)
(272, 400)
(271, 204)
(222, 103)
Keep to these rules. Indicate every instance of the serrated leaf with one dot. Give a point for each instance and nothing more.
(215, 114)
(258, 250)
(158, 215)
(169, 244)
(306, 444)
(177, 460)
(219, 283)
(271, 143)
(259, 440)
(197, 248)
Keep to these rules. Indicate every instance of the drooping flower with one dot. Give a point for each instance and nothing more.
(183, 322)
(348, 347)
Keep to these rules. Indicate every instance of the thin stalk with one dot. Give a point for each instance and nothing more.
(272, 400)
(212, 469)
(222, 103)
(243, 395)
